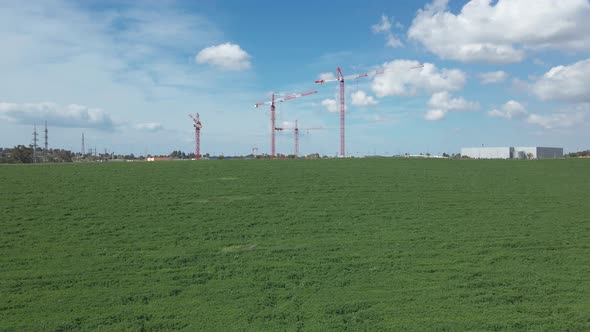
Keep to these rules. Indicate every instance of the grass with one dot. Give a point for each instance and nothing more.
(299, 245)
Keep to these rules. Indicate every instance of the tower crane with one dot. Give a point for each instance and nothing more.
(198, 125)
(341, 78)
(272, 103)
(296, 131)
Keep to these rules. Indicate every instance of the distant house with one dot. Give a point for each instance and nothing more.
(159, 158)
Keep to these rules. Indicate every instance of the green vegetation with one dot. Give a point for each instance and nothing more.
(314, 245)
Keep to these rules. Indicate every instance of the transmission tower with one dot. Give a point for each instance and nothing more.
(45, 151)
(35, 140)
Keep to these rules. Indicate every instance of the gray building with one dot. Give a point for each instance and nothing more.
(537, 152)
(512, 153)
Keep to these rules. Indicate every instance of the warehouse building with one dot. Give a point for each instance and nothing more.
(538, 153)
(488, 153)
(512, 153)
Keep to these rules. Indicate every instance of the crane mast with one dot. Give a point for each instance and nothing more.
(198, 125)
(272, 103)
(341, 78)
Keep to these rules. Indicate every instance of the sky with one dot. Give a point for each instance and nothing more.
(126, 74)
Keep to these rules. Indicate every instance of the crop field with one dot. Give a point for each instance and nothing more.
(296, 245)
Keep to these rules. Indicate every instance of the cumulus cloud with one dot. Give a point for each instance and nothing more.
(150, 127)
(512, 109)
(435, 115)
(384, 27)
(565, 83)
(226, 56)
(443, 102)
(480, 33)
(564, 118)
(399, 79)
(360, 98)
(73, 115)
(493, 77)
(557, 120)
(330, 105)
(327, 76)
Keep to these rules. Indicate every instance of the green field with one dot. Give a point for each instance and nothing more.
(296, 245)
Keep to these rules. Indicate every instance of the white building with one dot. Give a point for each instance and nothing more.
(512, 153)
(488, 153)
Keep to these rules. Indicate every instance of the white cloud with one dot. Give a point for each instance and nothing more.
(150, 126)
(558, 120)
(227, 56)
(135, 61)
(502, 31)
(360, 98)
(327, 76)
(512, 109)
(330, 105)
(72, 116)
(565, 83)
(384, 27)
(435, 115)
(565, 118)
(493, 77)
(400, 80)
(442, 102)
(393, 41)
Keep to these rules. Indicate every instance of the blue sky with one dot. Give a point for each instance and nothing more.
(126, 74)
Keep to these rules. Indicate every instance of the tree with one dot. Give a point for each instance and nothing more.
(22, 154)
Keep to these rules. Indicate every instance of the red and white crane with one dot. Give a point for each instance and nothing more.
(272, 103)
(341, 78)
(296, 130)
(198, 125)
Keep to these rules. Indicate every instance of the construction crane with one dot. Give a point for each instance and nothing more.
(272, 103)
(296, 130)
(198, 125)
(341, 78)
